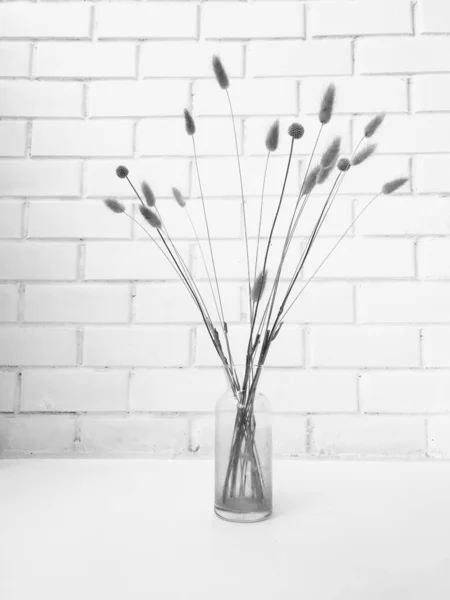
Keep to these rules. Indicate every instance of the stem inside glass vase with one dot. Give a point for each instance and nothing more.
(243, 458)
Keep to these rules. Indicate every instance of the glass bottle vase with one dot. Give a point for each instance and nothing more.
(243, 459)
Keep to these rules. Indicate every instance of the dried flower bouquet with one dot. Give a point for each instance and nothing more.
(266, 317)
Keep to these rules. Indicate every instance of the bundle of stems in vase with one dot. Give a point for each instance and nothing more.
(267, 307)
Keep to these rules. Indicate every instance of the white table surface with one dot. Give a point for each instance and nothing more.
(135, 529)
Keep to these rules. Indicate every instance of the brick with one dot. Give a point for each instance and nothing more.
(10, 219)
(364, 346)
(369, 177)
(402, 55)
(77, 303)
(434, 16)
(322, 302)
(12, 138)
(291, 58)
(202, 436)
(309, 391)
(338, 219)
(408, 302)
(220, 177)
(239, 20)
(138, 98)
(256, 129)
(231, 261)
(353, 18)
(14, 59)
(171, 303)
(356, 95)
(287, 353)
(410, 134)
(165, 137)
(68, 390)
(224, 220)
(22, 19)
(162, 174)
(436, 344)
(433, 258)
(159, 437)
(76, 219)
(5, 430)
(405, 392)
(136, 347)
(248, 97)
(146, 21)
(42, 435)
(8, 386)
(37, 261)
(289, 436)
(177, 390)
(84, 138)
(41, 99)
(362, 258)
(410, 215)
(9, 300)
(432, 174)
(129, 261)
(368, 436)
(85, 59)
(439, 437)
(37, 347)
(431, 92)
(189, 58)
(40, 178)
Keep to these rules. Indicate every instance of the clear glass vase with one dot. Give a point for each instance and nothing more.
(243, 458)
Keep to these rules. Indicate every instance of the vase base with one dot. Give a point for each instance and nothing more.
(238, 516)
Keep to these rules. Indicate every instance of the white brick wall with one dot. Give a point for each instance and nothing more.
(101, 351)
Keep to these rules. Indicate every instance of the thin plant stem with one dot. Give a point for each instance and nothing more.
(222, 322)
(260, 215)
(243, 207)
(269, 242)
(328, 256)
(205, 264)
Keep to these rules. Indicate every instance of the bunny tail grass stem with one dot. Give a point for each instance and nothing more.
(328, 256)
(204, 263)
(323, 214)
(264, 269)
(183, 268)
(291, 229)
(205, 215)
(243, 207)
(261, 209)
(196, 296)
(179, 272)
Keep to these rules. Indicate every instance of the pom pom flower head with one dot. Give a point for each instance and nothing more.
(122, 172)
(344, 164)
(220, 73)
(296, 131)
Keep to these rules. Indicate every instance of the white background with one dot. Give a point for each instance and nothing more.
(101, 351)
